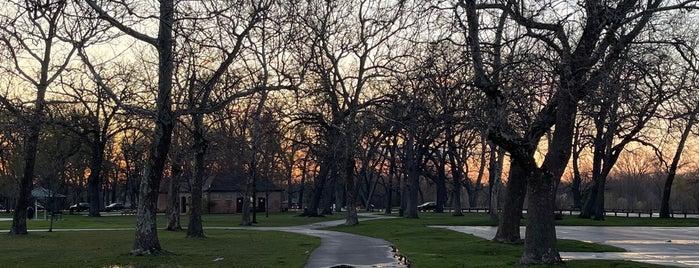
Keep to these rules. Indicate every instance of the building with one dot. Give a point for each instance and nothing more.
(225, 194)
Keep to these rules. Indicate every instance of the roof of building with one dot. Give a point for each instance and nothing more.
(41, 192)
(236, 183)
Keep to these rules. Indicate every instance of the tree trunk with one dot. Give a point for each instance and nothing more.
(340, 193)
(493, 197)
(508, 229)
(599, 199)
(302, 185)
(173, 198)
(146, 241)
(575, 187)
(19, 217)
(413, 180)
(391, 177)
(289, 181)
(540, 241)
(93, 180)
(665, 202)
(319, 186)
(388, 208)
(589, 206)
(195, 227)
(473, 193)
(577, 177)
(667, 188)
(248, 199)
(497, 157)
(456, 171)
(328, 197)
(351, 191)
(441, 187)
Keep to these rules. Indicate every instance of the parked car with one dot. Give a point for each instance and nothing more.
(427, 206)
(114, 207)
(78, 207)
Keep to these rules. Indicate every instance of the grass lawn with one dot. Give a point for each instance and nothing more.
(425, 247)
(115, 220)
(237, 248)
(435, 247)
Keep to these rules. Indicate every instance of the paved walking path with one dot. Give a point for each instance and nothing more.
(677, 246)
(338, 249)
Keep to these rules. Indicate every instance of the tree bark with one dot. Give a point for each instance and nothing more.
(19, 217)
(497, 158)
(508, 228)
(195, 227)
(473, 191)
(329, 193)
(318, 189)
(589, 205)
(456, 186)
(577, 177)
(540, 241)
(351, 191)
(441, 184)
(413, 180)
(173, 198)
(302, 185)
(391, 176)
(93, 180)
(576, 183)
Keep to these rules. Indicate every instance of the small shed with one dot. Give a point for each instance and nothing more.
(50, 200)
(225, 194)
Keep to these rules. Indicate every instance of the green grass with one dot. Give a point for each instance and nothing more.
(581, 246)
(238, 248)
(426, 247)
(436, 247)
(129, 221)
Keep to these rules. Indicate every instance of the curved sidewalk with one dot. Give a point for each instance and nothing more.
(676, 246)
(339, 249)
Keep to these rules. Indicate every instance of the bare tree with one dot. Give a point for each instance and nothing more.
(31, 33)
(146, 241)
(372, 51)
(583, 58)
(687, 105)
(623, 107)
(101, 115)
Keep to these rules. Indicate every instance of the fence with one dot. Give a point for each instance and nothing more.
(614, 212)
